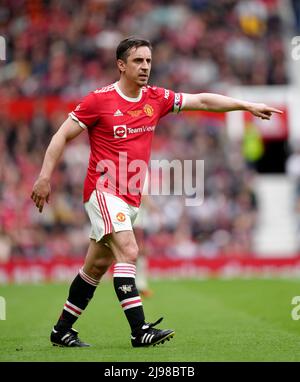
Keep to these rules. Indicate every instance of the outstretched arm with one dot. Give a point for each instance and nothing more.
(41, 188)
(220, 103)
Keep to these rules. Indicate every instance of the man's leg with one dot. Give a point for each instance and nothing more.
(142, 264)
(125, 251)
(98, 259)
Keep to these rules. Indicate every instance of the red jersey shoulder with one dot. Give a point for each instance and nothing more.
(165, 98)
(104, 92)
(86, 112)
(105, 89)
(157, 92)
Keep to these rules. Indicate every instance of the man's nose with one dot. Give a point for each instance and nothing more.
(145, 65)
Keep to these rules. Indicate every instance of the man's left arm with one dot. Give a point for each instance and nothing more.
(220, 103)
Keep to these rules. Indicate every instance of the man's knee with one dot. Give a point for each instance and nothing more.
(128, 253)
(102, 265)
(98, 267)
(99, 258)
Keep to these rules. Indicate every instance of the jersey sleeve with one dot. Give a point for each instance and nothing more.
(86, 112)
(170, 101)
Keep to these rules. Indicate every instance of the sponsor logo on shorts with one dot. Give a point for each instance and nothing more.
(120, 131)
(121, 217)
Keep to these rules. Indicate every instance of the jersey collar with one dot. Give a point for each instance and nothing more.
(130, 99)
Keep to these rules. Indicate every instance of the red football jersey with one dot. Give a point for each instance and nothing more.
(120, 132)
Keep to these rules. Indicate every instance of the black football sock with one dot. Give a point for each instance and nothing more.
(81, 292)
(128, 295)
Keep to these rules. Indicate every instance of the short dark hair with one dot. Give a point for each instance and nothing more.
(131, 42)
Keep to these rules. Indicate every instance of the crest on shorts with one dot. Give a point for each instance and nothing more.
(126, 288)
(121, 217)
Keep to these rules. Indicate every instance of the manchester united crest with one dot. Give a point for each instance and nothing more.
(148, 110)
(120, 217)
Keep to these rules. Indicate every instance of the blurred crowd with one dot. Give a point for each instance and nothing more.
(66, 48)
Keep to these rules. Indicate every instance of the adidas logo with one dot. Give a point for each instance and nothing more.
(118, 113)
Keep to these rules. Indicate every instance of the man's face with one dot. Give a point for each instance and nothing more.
(137, 66)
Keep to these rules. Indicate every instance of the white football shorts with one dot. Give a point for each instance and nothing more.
(108, 212)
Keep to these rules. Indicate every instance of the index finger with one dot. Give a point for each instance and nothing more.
(41, 205)
(273, 110)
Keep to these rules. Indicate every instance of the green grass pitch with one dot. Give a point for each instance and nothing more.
(214, 320)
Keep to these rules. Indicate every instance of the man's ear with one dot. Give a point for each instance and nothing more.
(121, 65)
